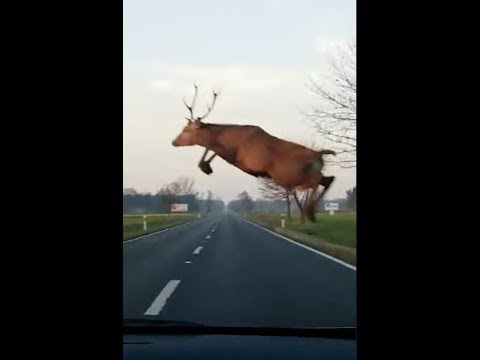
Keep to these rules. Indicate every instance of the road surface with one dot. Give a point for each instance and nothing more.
(222, 270)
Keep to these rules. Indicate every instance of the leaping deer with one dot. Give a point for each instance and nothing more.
(254, 151)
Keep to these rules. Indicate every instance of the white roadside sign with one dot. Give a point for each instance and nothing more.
(331, 207)
(179, 208)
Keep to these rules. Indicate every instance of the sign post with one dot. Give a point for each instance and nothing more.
(283, 221)
(144, 222)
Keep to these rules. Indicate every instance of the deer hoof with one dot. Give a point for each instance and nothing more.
(327, 181)
(205, 167)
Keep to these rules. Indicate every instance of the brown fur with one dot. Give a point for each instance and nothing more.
(258, 153)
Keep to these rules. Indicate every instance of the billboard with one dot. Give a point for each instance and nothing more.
(179, 208)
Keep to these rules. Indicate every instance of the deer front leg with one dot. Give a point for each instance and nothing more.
(204, 165)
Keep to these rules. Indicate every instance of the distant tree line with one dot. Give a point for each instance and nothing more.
(180, 191)
(242, 204)
(280, 202)
(161, 203)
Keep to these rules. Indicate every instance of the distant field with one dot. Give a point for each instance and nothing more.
(333, 234)
(133, 224)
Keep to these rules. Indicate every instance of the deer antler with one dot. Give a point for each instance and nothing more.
(190, 108)
(210, 107)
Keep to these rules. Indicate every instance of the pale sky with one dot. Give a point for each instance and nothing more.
(259, 54)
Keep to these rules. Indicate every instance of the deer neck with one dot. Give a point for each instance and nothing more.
(210, 137)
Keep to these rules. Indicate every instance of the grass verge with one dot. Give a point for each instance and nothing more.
(334, 235)
(133, 224)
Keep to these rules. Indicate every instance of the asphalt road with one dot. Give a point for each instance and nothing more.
(224, 271)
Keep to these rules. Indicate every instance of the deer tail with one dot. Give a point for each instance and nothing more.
(326, 152)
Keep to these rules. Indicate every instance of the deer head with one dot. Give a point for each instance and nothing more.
(191, 132)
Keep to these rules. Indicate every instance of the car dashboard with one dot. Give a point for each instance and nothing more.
(201, 342)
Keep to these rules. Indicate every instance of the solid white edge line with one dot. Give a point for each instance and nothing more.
(160, 231)
(304, 246)
(161, 300)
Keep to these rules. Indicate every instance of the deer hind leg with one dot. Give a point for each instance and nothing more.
(325, 181)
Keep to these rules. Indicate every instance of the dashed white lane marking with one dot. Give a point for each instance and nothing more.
(208, 237)
(161, 299)
(187, 262)
(198, 249)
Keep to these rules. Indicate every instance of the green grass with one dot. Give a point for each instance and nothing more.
(133, 224)
(332, 234)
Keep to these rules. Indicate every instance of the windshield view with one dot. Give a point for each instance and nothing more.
(239, 138)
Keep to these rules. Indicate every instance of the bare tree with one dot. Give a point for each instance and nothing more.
(181, 186)
(301, 198)
(335, 115)
(184, 185)
(272, 191)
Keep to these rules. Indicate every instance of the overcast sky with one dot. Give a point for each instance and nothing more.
(259, 54)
